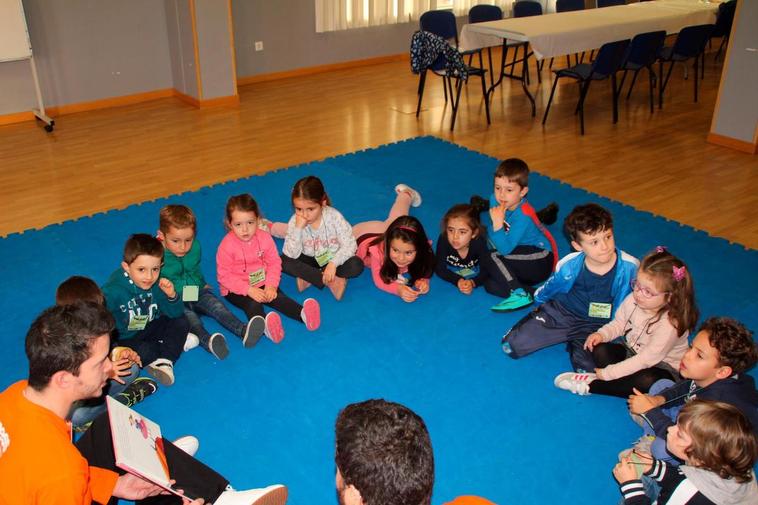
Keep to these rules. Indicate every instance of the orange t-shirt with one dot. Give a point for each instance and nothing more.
(38, 463)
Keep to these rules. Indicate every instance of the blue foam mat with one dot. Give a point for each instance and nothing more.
(499, 427)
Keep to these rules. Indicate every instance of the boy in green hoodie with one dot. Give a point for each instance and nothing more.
(177, 230)
(149, 314)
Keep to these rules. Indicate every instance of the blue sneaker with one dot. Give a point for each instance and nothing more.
(518, 300)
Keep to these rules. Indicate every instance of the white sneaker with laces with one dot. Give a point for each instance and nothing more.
(162, 370)
(577, 383)
(191, 342)
(271, 495)
(188, 444)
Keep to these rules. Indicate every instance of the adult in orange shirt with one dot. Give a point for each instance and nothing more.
(68, 350)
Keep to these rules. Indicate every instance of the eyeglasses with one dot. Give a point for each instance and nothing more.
(636, 286)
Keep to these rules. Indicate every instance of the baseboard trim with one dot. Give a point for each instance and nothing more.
(318, 69)
(732, 143)
(107, 103)
(16, 117)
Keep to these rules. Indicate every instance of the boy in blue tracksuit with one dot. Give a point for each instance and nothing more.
(525, 252)
(583, 293)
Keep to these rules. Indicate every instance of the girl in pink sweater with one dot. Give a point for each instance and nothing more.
(406, 269)
(248, 269)
(647, 338)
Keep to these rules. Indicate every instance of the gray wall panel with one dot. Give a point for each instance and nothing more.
(16, 87)
(214, 47)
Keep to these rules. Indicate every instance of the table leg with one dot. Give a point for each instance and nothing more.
(524, 70)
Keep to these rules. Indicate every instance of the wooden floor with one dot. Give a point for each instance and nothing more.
(109, 159)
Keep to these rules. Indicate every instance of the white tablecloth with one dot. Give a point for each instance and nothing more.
(573, 32)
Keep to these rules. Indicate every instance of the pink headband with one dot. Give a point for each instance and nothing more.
(407, 228)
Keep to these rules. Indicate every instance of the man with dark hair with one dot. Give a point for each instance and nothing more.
(383, 455)
(68, 351)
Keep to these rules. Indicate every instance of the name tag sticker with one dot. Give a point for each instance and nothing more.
(600, 310)
(324, 257)
(190, 293)
(137, 322)
(466, 273)
(257, 277)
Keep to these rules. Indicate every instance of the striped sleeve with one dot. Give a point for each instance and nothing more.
(633, 493)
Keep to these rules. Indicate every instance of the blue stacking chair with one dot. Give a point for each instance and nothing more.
(480, 14)
(723, 28)
(690, 44)
(568, 6)
(609, 59)
(523, 9)
(609, 3)
(440, 23)
(642, 53)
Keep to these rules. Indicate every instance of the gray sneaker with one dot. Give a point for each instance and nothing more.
(217, 346)
(253, 331)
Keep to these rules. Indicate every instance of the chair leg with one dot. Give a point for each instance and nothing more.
(421, 81)
(550, 100)
(539, 65)
(623, 78)
(455, 100)
(615, 94)
(702, 65)
(664, 83)
(486, 98)
(492, 69)
(651, 78)
(526, 64)
(695, 65)
(721, 47)
(631, 85)
(585, 89)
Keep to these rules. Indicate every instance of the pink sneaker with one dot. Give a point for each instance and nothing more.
(274, 329)
(311, 314)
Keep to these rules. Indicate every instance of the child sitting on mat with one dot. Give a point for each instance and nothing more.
(582, 295)
(319, 246)
(463, 258)
(527, 253)
(149, 314)
(249, 270)
(397, 249)
(647, 338)
(177, 231)
(718, 447)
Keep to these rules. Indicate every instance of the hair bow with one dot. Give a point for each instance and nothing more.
(660, 248)
(679, 272)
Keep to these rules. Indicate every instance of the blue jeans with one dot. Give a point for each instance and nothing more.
(210, 305)
(658, 448)
(88, 410)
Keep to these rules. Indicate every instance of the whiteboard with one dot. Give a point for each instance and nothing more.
(14, 39)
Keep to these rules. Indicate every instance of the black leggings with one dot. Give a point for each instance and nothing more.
(608, 354)
(281, 303)
(306, 267)
(524, 267)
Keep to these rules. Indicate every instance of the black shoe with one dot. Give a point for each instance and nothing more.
(549, 214)
(479, 203)
(141, 388)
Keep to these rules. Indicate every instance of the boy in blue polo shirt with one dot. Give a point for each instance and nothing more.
(583, 293)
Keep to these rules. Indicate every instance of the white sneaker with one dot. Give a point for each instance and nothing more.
(577, 383)
(271, 495)
(188, 444)
(415, 195)
(162, 370)
(191, 342)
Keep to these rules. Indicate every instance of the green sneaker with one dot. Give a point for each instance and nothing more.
(141, 388)
(518, 300)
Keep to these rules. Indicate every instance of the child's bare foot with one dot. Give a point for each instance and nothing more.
(337, 287)
(302, 284)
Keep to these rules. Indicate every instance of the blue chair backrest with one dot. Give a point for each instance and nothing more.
(569, 5)
(440, 23)
(484, 12)
(691, 40)
(609, 3)
(610, 57)
(526, 8)
(645, 47)
(724, 19)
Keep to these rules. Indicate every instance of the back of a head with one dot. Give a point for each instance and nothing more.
(78, 289)
(589, 218)
(60, 339)
(733, 341)
(383, 449)
(723, 440)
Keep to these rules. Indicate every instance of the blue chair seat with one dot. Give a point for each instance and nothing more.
(581, 71)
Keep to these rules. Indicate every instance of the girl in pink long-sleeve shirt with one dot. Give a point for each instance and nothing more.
(406, 269)
(647, 338)
(248, 268)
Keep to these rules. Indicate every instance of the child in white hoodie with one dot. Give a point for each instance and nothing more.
(719, 448)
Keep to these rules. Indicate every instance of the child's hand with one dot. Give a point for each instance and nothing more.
(327, 276)
(167, 287)
(121, 368)
(127, 353)
(465, 286)
(422, 285)
(624, 471)
(497, 214)
(270, 293)
(257, 294)
(599, 372)
(592, 340)
(300, 221)
(406, 293)
(639, 403)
